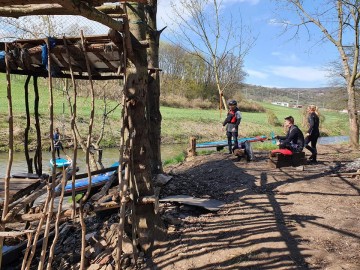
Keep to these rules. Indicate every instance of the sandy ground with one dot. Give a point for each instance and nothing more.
(284, 218)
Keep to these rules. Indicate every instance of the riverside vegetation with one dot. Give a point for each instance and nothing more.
(177, 124)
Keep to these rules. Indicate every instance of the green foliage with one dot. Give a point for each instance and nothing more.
(175, 160)
(272, 119)
(77, 198)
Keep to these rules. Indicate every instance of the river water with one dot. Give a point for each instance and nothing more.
(110, 155)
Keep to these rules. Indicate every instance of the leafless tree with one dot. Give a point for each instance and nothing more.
(338, 21)
(204, 30)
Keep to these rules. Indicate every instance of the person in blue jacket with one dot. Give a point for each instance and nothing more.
(232, 123)
(57, 142)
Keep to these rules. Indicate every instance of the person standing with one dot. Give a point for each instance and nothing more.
(232, 123)
(57, 142)
(294, 139)
(313, 132)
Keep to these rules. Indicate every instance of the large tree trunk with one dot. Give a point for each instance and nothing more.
(153, 99)
(353, 117)
(136, 95)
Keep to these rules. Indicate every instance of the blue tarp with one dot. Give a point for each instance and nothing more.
(96, 180)
(44, 51)
(225, 143)
(2, 57)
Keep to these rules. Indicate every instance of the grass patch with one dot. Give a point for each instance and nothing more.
(175, 160)
(178, 124)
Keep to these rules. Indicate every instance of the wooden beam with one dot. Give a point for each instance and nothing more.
(15, 234)
(16, 11)
(64, 75)
(37, 2)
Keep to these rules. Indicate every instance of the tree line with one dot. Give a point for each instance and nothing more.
(188, 76)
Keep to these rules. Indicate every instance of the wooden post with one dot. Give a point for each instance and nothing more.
(191, 151)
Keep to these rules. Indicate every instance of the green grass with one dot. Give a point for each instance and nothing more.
(177, 125)
(175, 160)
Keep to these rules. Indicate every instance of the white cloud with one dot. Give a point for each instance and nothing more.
(165, 14)
(276, 22)
(257, 74)
(308, 74)
(290, 58)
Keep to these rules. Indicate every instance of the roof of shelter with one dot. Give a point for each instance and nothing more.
(104, 52)
(29, 57)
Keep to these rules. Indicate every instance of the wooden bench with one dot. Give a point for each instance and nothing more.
(278, 160)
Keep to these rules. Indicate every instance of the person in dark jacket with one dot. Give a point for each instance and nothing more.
(294, 139)
(57, 142)
(313, 132)
(232, 123)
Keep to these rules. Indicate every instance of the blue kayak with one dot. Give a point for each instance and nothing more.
(96, 180)
(225, 142)
(60, 162)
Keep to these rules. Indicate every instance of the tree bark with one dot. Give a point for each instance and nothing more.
(27, 128)
(153, 99)
(136, 92)
(353, 117)
(38, 153)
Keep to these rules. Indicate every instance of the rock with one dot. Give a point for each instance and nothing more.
(162, 179)
(171, 228)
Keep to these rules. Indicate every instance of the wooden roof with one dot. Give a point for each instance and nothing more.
(105, 53)
(28, 57)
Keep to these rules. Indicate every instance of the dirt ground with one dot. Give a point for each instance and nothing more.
(284, 218)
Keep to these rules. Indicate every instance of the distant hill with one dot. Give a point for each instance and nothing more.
(325, 97)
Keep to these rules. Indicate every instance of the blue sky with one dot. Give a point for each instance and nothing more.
(275, 60)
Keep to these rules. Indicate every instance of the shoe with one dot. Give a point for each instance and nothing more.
(311, 157)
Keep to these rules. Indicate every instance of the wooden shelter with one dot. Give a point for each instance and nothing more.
(121, 54)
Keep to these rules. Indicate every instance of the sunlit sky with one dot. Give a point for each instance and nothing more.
(276, 59)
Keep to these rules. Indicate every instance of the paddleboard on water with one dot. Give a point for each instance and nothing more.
(225, 143)
(60, 162)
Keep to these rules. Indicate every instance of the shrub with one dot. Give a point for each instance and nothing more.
(272, 119)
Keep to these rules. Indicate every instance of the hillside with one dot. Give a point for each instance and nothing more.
(326, 97)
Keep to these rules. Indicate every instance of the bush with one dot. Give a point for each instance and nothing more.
(272, 119)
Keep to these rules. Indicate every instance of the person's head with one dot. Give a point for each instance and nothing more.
(56, 130)
(289, 121)
(311, 109)
(232, 104)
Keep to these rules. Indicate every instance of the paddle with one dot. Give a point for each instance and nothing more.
(62, 148)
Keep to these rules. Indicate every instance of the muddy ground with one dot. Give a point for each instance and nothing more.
(284, 218)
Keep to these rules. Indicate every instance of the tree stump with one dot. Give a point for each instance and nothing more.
(191, 151)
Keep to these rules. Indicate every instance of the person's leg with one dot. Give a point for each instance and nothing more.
(58, 151)
(229, 135)
(313, 145)
(236, 143)
(308, 147)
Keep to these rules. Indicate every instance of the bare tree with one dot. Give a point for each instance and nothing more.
(339, 23)
(207, 33)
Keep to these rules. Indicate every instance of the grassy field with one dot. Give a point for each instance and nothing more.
(177, 125)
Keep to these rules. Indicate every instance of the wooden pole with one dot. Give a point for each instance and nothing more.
(191, 151)
(10, 159)
(38, 152)
(91, 123)
(51, 191)
(27, 128)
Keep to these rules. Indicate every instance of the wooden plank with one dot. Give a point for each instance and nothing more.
(209, 204)
(15, 234)
(19, 187)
